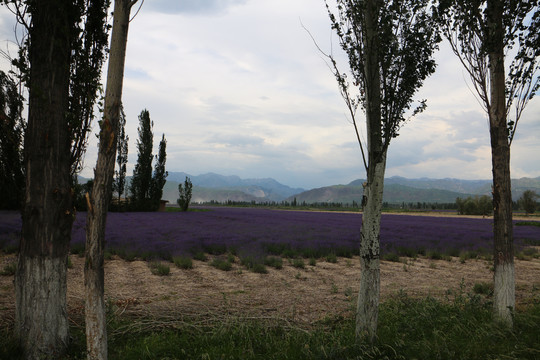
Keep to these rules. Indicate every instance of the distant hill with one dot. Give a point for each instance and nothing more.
(221, 188)
(399, 189)
(393, 193)
(211, 186)
(475, 187)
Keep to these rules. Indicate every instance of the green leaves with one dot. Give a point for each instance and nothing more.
(407, 35)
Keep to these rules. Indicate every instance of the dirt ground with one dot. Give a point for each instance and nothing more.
(304, 296)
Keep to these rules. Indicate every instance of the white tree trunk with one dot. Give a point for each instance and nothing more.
(504, 291)
(41, 310)
(367, 311)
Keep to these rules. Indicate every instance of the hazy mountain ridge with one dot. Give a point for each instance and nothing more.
(211, 186)
(399, 189)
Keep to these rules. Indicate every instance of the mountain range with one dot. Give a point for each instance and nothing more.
(211, 186)
(397, 189)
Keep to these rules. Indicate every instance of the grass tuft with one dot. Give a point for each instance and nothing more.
(391, 256)
(221, 264)
(9, 269)
(200, 256)
(331, 258)
(483, 288)
(298, 263)
(183, 262)
(274, 261)
(159, 268)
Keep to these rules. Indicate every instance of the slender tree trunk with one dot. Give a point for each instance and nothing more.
(40, 281)
(96, 326)
(367, 311)
(504, 280)
(368, 295)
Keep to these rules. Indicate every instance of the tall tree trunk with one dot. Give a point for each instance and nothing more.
(96, 329)
(367, 311)
(40, 281)
(368, 296)
(504, 279)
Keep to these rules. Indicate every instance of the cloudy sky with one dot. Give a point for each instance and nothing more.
(239, 88)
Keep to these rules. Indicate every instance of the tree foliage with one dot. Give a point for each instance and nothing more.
(185, 193)
(90, 52)
(478, 205)
(142, 173)
(122, 142)
(466, 26)
(11, 142)
(527, 201)
(408, 36)
(88, 42)
(160, 174)
(484, 34)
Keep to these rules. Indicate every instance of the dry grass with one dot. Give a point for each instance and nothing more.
(305, 296)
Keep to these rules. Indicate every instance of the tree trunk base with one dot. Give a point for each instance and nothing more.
(367, 311)
(504, 300)
(41, 310)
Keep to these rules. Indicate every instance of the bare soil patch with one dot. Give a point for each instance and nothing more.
(325, 291)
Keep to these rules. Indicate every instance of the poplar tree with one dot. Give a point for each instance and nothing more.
(160, 174)
(40, 281)
(484, 35)
(60, 63)
(98, 200)
(122, 144)
(142, 173)
(390, 46)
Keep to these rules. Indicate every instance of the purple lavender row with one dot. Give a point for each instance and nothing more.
(259, 231)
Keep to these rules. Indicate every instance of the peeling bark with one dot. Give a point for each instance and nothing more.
(367, 311)
(95, 317)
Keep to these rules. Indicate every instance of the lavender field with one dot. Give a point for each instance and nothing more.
(259, 232)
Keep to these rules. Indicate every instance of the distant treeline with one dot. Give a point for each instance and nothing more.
(352, 206)
(478, 205)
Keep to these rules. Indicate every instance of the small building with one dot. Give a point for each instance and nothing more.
(162, 205)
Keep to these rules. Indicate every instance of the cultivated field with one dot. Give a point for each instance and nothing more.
(448, 256)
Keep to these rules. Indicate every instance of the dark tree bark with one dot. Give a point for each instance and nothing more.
(40, 281)
(98, 201)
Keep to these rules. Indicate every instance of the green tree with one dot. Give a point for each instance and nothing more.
(478, 205)
(185, 194)
(142, 173)
(122, 141)
(527, 201)
(390, 46)
(40, 281)
(11, 142)
(482, 34)
(62, 91)
(160, 174)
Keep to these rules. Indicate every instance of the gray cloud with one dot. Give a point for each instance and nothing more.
(198, 7)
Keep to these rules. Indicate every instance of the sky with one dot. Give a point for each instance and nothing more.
(239, 88)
